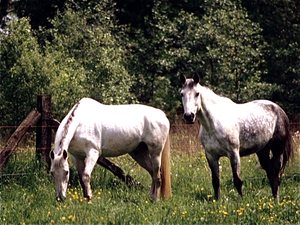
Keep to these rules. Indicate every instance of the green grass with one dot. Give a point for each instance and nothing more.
(28, 195)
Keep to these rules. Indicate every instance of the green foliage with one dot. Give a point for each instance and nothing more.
(224, 45)
(23, 74)
(125, 52)
(84, 59)
(281, 29)
(93, 51)
(234, 50)
(89, 57)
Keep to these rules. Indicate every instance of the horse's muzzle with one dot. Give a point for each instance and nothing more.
(189, 117)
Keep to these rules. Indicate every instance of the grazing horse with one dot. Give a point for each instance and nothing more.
(92, 130)
(235, 130)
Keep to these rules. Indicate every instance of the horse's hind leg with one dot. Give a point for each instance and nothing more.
(236, 170)
(264, 160)
(276, 162)
(142, 157)
(276, 165)
(272, 168)
(155, 152)
(156, 177)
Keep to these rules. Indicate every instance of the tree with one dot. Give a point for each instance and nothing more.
(23, 73)
(83, 40)
(281, 30)
(235, 52)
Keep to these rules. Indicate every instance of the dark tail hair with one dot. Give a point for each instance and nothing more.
(289, 151)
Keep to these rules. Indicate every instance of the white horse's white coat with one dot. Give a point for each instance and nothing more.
(112, 130)
(92, 130)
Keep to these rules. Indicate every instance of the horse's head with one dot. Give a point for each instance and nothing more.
(60, 173)
(190, 94)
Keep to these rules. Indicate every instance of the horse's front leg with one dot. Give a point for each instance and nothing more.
(90, 162)
(213, 163)
(80, 165)
(236, 170)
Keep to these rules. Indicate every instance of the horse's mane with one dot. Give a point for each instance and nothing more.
(66, 128)
(213, 97)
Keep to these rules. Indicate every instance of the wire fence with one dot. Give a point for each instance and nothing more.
(184, 137)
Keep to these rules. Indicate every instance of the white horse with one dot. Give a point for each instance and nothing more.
(92, 130)
(234, 130)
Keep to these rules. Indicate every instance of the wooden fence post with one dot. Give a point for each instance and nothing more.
(15, 138)
(44, 131)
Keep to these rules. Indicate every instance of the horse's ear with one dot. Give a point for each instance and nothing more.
(65, 154)
(182, 79)
(52, 155)
(196, 78)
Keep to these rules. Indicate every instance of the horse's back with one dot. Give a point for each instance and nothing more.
(116, 129)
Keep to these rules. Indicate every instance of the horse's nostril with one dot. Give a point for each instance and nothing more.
(192, 115)
(189, 117)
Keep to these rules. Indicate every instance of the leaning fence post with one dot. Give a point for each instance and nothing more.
(15, 138)
(43, 131)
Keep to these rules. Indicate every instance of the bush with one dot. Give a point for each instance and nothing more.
(23, 72)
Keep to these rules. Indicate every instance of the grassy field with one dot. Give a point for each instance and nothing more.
(28, 194)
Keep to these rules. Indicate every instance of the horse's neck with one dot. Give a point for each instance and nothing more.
(211, 107)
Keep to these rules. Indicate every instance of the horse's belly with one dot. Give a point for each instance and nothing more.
(108, 144)
(253, 142)
(117, 146)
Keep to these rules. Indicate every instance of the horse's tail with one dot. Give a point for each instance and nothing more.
(66, 131)
(166, 190)
(289, 150)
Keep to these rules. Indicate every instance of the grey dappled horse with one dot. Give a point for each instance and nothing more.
(234, 130)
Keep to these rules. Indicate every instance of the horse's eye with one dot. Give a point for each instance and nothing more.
(197, 94)
(67, 172)
(181, 94)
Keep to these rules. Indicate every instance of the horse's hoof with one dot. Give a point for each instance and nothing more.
(88, 198)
